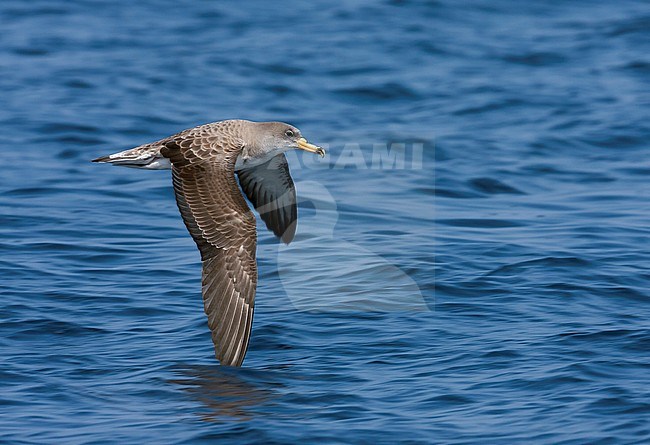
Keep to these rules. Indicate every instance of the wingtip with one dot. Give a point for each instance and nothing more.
(231, 361)
(289, 233)
(101, 159)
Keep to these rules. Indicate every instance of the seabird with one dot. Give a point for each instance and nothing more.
(204, 161)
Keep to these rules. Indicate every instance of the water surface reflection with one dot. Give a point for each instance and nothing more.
(227, 393)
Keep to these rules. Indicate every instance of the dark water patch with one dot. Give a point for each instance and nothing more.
(276, 68)
(572, 122)
(572, 175)
(478, 223)
(640, 67)
(451, 193)
(536, 59)
(387, 92)
(432, 48)
(641, 171)
(489, 107)
(39, 191)
(79, 140)
(388, 232)
(492, 186)
(280, 89)
(79, 84)
(569, 287)
(44, 328)
(503, 354)
(595, 178)
(63, 127)
(614, 405)
(621, 339)
(35, 11)
(552, 143)
(60, 247)
(440, 154)
(635, 25)
(614, 141)
(352, 71)
(601, 197)
(548, 262)
(33, 52)
(145, 312)
(626, 293)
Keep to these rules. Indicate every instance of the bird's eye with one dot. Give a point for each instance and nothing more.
(289, 133)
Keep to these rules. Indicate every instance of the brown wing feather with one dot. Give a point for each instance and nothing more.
(223, 227)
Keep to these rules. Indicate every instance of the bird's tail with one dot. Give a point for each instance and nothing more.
(146, 157)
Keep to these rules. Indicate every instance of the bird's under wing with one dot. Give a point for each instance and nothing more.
(271, 190)
(223, 227)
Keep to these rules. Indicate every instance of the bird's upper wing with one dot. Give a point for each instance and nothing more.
(270, 188)
(223, 227)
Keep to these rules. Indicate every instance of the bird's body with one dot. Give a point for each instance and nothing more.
(204, 161)
(149, 157)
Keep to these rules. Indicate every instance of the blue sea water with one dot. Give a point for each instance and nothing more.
(471, 264)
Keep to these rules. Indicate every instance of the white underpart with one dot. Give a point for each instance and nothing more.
(158, 164)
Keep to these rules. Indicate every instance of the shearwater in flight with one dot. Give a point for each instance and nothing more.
(204, 161)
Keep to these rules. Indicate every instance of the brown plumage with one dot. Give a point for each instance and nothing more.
(203, 162)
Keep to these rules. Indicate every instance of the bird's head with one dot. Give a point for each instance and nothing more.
(278, 137)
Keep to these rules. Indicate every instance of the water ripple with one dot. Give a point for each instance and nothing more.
(495, 289)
